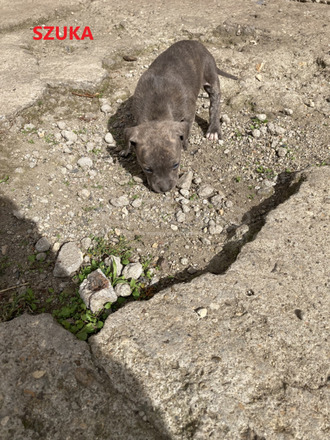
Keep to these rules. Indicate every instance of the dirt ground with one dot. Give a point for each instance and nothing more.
(275, 121)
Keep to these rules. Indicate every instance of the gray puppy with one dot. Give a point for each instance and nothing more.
(164, 105)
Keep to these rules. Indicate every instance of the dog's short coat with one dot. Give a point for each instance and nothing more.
(164, 105)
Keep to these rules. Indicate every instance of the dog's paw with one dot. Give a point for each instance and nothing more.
(213, 135)
(125, 153)
(214, 132)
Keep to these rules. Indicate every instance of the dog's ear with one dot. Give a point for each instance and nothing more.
(131, 135)
(182, 129)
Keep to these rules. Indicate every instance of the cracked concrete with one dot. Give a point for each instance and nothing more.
(241, 355)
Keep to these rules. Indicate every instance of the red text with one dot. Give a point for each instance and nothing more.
(71, 32)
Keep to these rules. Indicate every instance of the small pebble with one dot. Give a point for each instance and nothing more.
(281, 152)
(201, 312)
(86, 243)
(69, 136)
(120, 201)
(137, 179)
(184, 182)
(132, 271)
(184, 192)
(18, 214)
(61, 125)
(215, 229)
(280, 131)
(256, 133)
(180, 216)
(29, 127)
(123, 290)
(136, 203)
(85, 162)
(84, 193)
(288, 111)
(184, 261)
(205, 191)
(225, 119)
(42, 245)
(261, 117)
(109, 139)
(41, 256)
(106, 108)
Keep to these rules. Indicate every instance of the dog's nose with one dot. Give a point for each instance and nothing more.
(163, 187)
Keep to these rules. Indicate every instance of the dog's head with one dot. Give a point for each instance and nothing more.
(158, 147)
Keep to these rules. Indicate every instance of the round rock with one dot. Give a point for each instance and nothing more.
(69, 136)
(85, 162)
(42, 245)
(109, 139)
(123, 290)
(185, 180)
(106, 108)
(120, 201)
(133, 271)
(137, 203)
(225, 119)
(68, 261)
(180, 216)
(61, 125)
(205, 191)
(261, 117)
(215, 229)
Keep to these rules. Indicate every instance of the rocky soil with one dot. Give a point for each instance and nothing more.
(63, 108)
(62, 176)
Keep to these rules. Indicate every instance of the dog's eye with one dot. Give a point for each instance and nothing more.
(148, 170)
(175, 166)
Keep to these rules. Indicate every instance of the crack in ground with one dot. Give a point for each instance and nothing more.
(288, 185)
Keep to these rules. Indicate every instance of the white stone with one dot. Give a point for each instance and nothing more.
(109, 139)
(69, 136)
(61, 125)
(120, 201)
(225, 119)
(106, 108)
(215, 229)
(180, 216)
(261, 117)
(84, 193)
(201, 312)
(217, 200)
(136, 203)
(123, 290)
(86, 243)
(68, 260)
(184, 192)
(85, 162)
(205, 191)
(185, 180)
(96, 291)
(133, 271)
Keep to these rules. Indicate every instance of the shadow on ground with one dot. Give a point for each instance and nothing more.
(25, 286)
(288, 184)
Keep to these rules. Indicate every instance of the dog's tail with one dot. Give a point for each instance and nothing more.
(227, 75)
